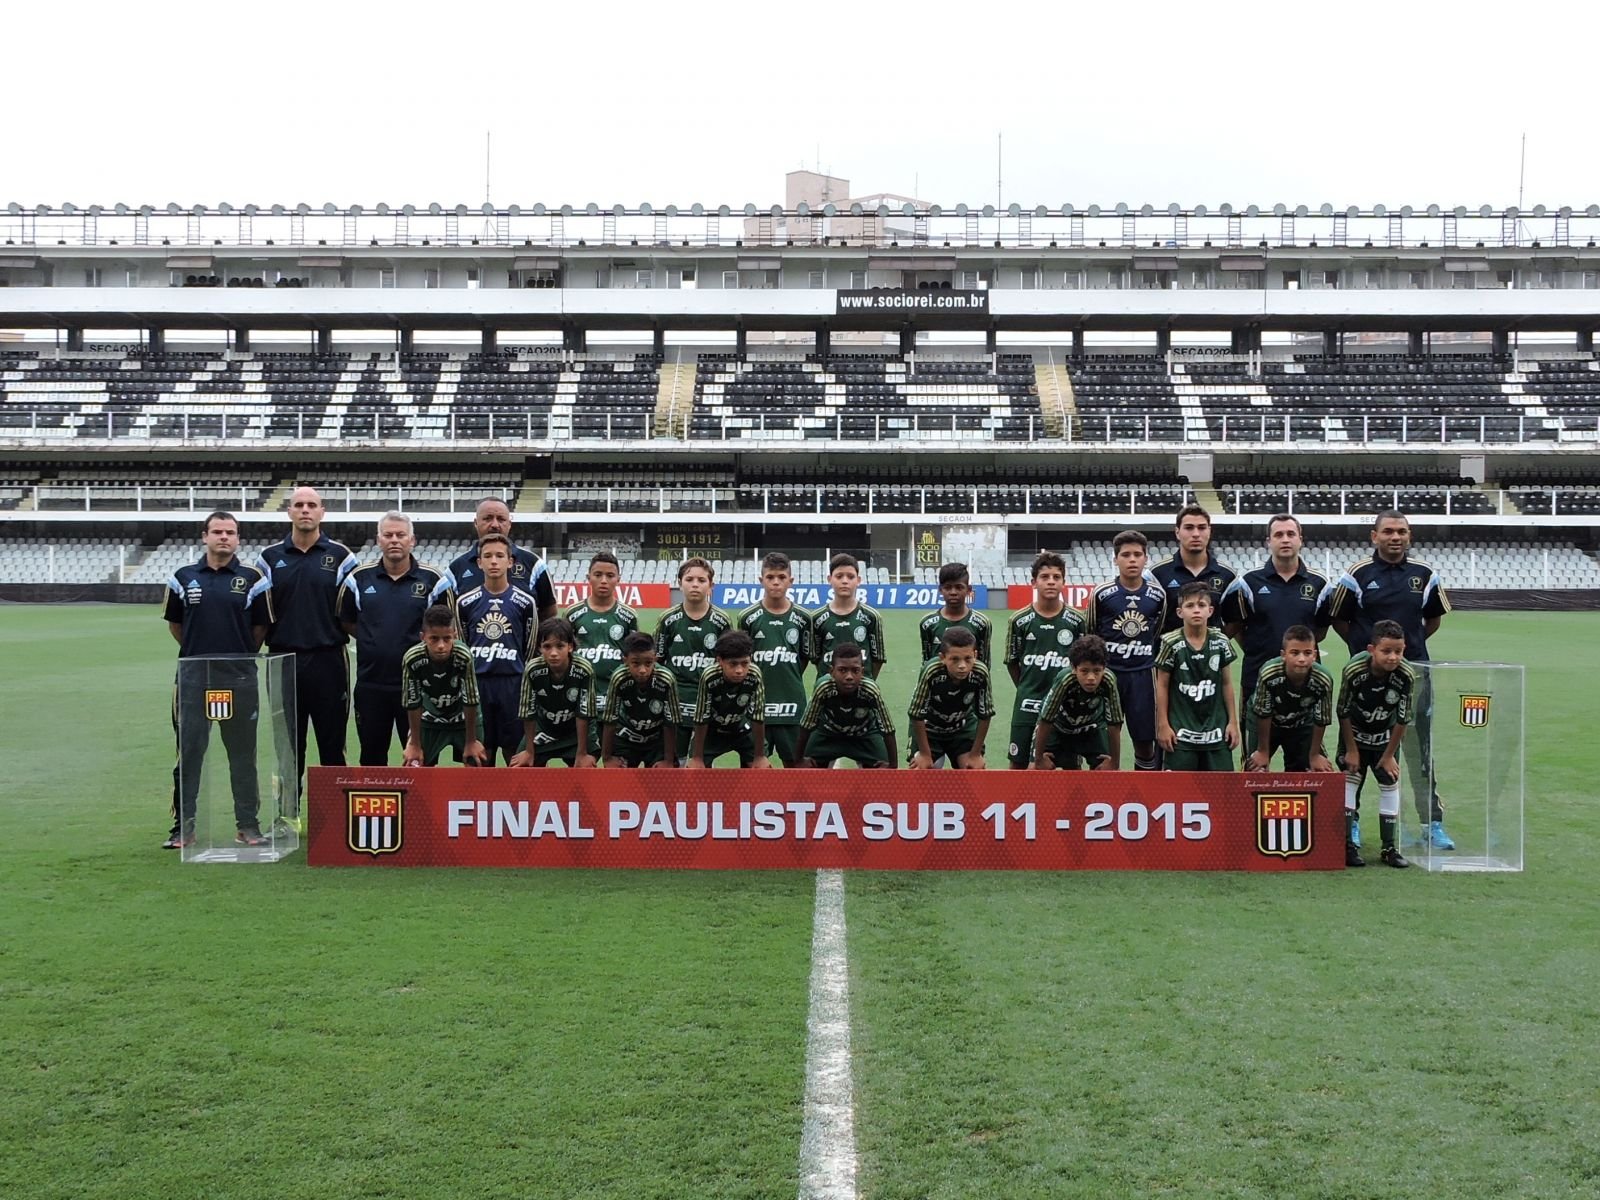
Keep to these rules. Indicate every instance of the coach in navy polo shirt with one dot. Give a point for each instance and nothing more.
(1259, 605)
(527, 568)
(381, 606)
(306, 570)
(1193, 563)
(217, 606)
(1393, 586)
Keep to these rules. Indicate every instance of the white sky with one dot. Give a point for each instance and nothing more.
(354, 102)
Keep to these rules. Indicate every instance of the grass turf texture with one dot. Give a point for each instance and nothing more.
(285, 1032)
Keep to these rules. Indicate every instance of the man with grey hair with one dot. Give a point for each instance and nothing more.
(381, 606)
(305, 571)
(528, 572)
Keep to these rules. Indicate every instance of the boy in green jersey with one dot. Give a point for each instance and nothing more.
(1037, 641)
(439, 689)
(601, 621)
(846, 717)
(1197, 716)
(845, 618)
(641, 727)
(1292, 706)
(955, 589)
(1376, 694)
(952, 706)
(557, 703)
(781, 632)
(1082, 716)
(730, 712)
(685, 637)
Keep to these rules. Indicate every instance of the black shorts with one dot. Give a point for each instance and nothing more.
(1296, 745)
(1137, 689)
(1370, 757)
(719, 742)
(868, 750)
(948, 746)
(1068, 749)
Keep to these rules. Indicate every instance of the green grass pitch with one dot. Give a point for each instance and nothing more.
(281, 1032)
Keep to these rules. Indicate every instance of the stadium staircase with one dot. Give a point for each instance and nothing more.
(1205, 495)
(1056, 404)
(674, 399)
(530, 499)
(278, 499)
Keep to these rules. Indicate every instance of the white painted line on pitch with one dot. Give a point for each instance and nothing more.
(828, 1137)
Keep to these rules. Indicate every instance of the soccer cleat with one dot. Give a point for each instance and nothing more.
(1352, 855)
(250, 836)
(1438, 838)
(1391, 857)
(297, 823)
(178, 841)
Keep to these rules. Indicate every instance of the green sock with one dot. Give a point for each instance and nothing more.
(1387, 829)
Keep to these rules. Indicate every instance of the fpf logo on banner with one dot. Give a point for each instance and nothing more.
(1475, 711)
(899, 820)
(376, 821)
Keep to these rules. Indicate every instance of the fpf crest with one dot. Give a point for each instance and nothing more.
(1475, 711)
(1283, 823)
(376, 822)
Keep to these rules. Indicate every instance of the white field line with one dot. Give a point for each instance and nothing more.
(828, 1136)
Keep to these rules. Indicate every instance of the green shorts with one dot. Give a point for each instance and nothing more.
(437, 738)
(868, 750)
(720, 742)
(1198, 758)
(1020, 751)
(1068, 749)
(782, 740)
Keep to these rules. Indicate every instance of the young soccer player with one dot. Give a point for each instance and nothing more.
(685, 637)
(1037, 641)
(641, 727)
(439, 688)
(730, 711)
(1375, 701)
(781, 632)
(955, 589)
(846, 717)
(846, 619)
(1128, 614)
(497, 621)
(1292, 706)
(601, 622)
(1082, 716)
(557, 704)
(952, 706)
(1197, 713)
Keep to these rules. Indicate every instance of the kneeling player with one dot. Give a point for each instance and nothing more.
(1197, 715)
(1374, 709)
(439, 689)
(1082, 715)
(730, 710)
(846, 717)
(952, 706)
(1292, 706)
(641, 714)
(557, 702)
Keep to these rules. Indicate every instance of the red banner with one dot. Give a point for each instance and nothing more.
(634, 595)
(882, 820)
(1020, 595)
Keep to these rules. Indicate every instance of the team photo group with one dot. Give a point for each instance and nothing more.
(478, 660)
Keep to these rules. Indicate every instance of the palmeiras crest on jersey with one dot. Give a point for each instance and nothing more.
(376, 822)
(1283, 823)
(219, 705)
(1475, 711)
